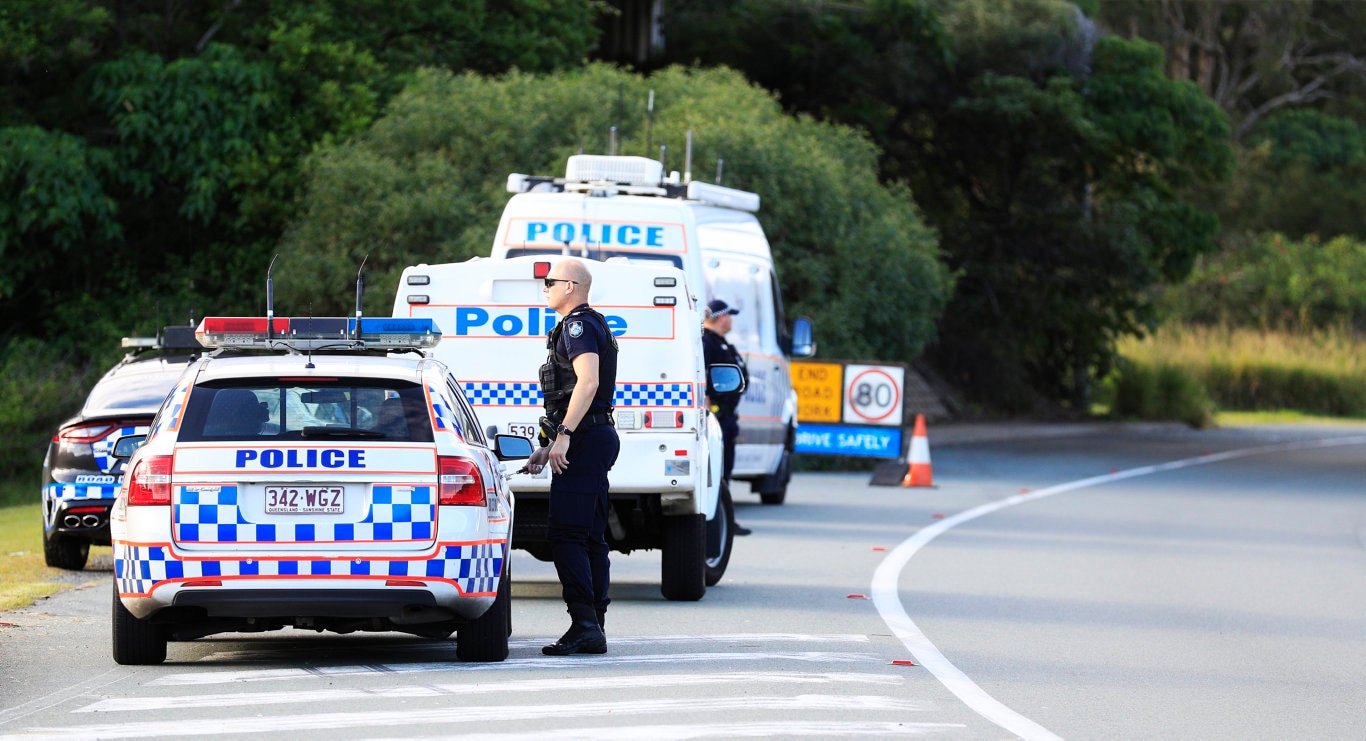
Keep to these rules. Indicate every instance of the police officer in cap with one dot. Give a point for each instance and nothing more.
(580, 445)
(716, 323)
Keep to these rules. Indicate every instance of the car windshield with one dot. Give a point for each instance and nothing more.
(271, 409)
(134, 388)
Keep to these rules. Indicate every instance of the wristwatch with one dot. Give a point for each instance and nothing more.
(563, 430)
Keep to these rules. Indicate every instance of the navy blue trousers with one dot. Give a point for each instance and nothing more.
(578, 517)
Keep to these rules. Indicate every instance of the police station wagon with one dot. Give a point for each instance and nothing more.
(322, 474)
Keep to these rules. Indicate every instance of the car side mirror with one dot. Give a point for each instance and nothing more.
(726, 379)
(803, 338)
(511, 447)
(126, 446)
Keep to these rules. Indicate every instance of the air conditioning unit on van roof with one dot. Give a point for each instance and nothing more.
(587, 168)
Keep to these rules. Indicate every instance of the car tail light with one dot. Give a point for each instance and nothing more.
(89, 432)
(459, 481)
(150, 482)
(84, 433)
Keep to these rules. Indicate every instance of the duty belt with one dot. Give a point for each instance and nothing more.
(604, 418)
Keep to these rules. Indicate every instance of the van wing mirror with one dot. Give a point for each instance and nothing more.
(726, 379)
(511, 447)
(803, 338)
(126, 446)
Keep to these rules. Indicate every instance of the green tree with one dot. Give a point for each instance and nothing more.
(425, 184)
(1052, 161)
(1252, 57)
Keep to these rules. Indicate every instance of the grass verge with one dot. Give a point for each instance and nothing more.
(24, 575)
(1320, 373)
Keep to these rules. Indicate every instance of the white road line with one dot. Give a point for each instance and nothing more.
(779, 729)
(280, 725)
(887, 599)
(262, 675)
(266, 650)
(502, 688)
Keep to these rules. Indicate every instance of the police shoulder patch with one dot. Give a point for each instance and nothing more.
(575, 329)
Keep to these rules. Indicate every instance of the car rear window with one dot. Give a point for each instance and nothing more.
(273, 409)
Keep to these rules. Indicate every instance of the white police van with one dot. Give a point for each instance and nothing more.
(665, 486)
(618, 206)
(324, 474)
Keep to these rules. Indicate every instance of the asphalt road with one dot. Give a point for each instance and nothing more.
(1097, 582)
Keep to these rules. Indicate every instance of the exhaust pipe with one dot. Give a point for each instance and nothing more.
(91, 520)
(71, 521)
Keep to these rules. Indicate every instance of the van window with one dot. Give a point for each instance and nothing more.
(636, 258)
(269, 410)
(743, 285)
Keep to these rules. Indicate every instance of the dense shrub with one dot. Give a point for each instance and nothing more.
(38, 389)
(1271, 282)
(1148, 390)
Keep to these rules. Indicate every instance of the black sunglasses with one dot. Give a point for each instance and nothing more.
(552, 281)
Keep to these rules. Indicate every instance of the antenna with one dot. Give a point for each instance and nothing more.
(687, 159)
(270, 299)
(360, 291)
(612, 141)
(720, 163)
(663, 150)
(650, 122)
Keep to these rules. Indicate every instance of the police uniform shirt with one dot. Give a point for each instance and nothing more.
(584, 333)
(716, 350)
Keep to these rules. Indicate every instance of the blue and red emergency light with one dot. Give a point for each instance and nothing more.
(376, 333)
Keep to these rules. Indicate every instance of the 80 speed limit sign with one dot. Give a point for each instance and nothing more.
(873, 394)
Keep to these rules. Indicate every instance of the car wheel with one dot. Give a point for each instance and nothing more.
(65, 553)
(773, 489)
(720, 537)
(486, 637)
(136, 641)
(684, 562)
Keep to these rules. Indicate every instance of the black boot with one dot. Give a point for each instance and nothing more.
(602, 620)
(583, 637)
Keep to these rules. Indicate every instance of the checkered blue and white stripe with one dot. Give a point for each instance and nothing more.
(80, 491)
(503, 394)
(472, 567)
(103, 448)
(209, 514)
(528, 394)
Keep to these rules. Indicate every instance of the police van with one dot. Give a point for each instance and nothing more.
(619, 206)
(317, 473)
(665, 487)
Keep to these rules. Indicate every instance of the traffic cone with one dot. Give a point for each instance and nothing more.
(918, 471)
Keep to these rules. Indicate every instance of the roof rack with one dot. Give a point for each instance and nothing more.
(604, 175)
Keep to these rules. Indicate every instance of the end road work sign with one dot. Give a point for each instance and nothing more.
(849, 408)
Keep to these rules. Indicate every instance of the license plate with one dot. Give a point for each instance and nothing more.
(305, 500)
(526, 430)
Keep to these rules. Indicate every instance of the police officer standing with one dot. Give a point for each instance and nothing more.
(578, 381)
(716, 323)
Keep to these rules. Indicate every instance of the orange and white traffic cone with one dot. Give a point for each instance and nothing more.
(918, 471)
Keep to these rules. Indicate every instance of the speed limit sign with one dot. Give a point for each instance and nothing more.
(873, 394)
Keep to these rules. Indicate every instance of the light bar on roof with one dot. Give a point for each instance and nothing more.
(719, 195)
(587, 168)
(314, 333)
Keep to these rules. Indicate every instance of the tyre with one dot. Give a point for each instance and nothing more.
(486, 637)
(720, 537)
(65, 553)
(773, 489)
(684, 562)
(136, 641)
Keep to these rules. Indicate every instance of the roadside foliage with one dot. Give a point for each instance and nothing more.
(427, 184)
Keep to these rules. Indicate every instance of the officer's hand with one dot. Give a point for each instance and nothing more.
(559, 454)
(536, 462)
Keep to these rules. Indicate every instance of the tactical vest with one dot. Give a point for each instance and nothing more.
(557, 373)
